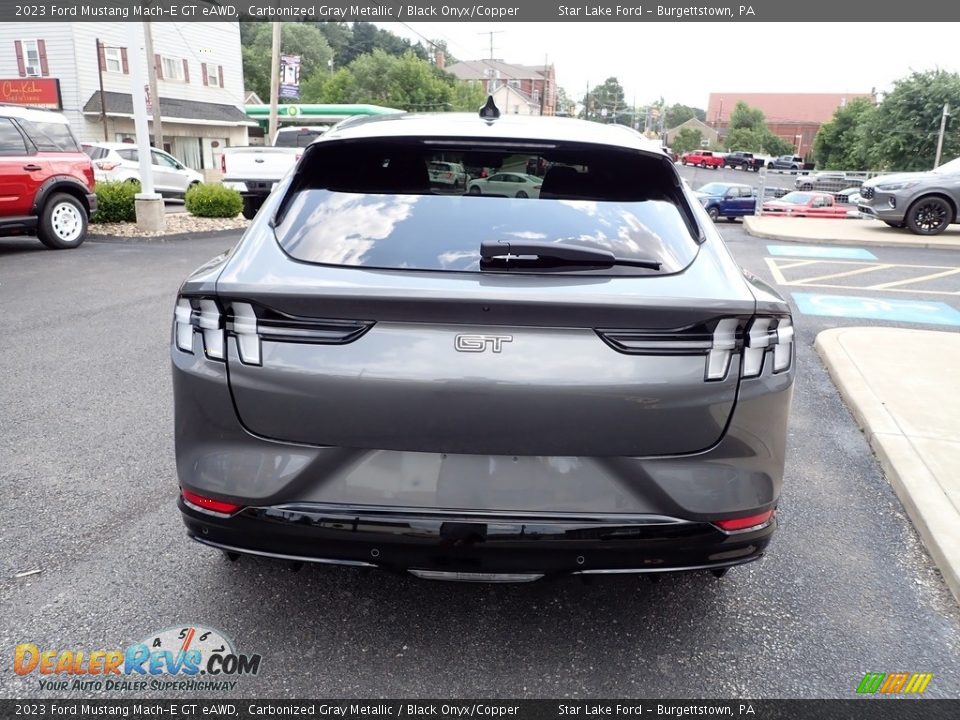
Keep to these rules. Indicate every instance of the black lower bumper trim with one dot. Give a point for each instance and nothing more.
(404, 539)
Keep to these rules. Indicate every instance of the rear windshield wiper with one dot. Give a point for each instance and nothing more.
(504, 250)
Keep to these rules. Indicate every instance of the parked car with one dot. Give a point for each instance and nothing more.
(702, 158)
(805, 204)
(448, 174)
(829, 181)
(674, 157)
(923, 202)
(729, 200)
(506, 184)
(46, 180)
(255, 170)
(467, 387)
(850, 195)
(786, 162)
(297, 136)
(120, 162)
(742, 161)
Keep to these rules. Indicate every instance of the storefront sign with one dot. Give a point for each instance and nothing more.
(35, 92)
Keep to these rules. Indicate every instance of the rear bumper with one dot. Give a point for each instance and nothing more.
(525, 546)
(92, 202)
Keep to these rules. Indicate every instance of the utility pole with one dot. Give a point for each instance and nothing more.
(274, 82)
(943, 129)
(152, 82)
(103, 100)
(491, 33)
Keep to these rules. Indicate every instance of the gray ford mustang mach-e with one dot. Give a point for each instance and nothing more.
(386, 372)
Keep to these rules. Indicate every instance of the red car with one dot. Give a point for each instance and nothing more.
(46, 181)
(702, 158)
(806, 204)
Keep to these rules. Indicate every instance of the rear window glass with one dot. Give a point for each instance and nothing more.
(296, 138)
(50, 137)
(129, 154)
(385, 205)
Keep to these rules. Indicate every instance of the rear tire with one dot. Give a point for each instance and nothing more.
(713, 213)
(929, 216)
(63, 222)
(521, 194)
(474, 190)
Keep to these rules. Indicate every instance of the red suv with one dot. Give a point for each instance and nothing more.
(46, 181)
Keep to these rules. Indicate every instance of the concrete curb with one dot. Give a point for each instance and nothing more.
(908, 241)
(173, 237)
(926, 503)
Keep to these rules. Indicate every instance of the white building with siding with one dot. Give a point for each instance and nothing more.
(199, 80)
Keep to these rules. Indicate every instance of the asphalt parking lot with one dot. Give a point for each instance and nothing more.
(89, 487)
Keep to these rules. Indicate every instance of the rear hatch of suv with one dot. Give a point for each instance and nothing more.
(390, 314)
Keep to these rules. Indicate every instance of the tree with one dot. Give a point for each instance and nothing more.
(841, 143)
(776, 145)
(744, 117)
(686, 140)
(565, 104)
(301, 39)
(677, 115)
(407, 83)
(903, 129)
(605, 102)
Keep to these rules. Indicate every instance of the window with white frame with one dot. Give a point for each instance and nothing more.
(173, 69)
(31, 57)
(214, 75)
(113, 59)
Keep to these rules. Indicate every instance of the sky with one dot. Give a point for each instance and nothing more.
(684, 62)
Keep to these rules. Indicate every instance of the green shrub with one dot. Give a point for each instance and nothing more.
(213, 200)
(115, 202)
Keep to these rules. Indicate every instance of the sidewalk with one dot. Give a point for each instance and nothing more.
(903, 387)
(846, 232)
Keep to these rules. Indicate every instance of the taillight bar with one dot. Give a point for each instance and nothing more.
(718, 339)
(216, 319)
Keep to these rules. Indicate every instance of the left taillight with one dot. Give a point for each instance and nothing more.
(214, 320)
(203, 316)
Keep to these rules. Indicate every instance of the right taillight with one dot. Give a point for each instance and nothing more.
(767, 335)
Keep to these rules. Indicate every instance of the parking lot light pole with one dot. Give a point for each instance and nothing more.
(149, 204)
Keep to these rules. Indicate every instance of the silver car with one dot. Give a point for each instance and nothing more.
(923, 202)
(482, 387)
(120, 162)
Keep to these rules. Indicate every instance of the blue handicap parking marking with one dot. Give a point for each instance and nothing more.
(821, 251)
(912, 311)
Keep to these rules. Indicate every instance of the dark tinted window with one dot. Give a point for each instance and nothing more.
(11, 141)
(375, 205)
(50, 136)
(94, 152)
(129, 154)
(298, 138)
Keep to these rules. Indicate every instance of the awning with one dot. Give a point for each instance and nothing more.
(174, 110)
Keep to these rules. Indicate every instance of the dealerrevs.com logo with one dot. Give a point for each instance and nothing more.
(180, 658)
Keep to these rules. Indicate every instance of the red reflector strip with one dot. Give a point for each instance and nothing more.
(742, 523)
(205, 503)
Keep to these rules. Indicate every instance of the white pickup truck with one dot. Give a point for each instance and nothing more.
(256, 170)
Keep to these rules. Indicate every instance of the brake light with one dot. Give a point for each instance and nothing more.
(744, 523)
(107, 165)
(208, 504)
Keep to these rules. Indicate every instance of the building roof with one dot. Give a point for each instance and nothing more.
(694, 124)
(524, 97)
(488, 69)
(781, 107)
(172, 109)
